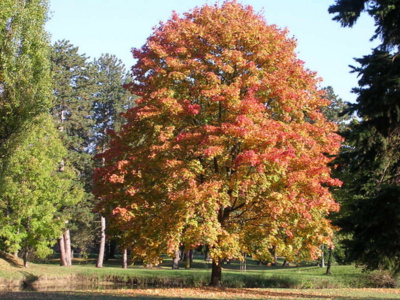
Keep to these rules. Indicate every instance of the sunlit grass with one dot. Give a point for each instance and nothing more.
(256, 276)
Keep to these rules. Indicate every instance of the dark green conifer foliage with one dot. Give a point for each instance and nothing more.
(386, 14)
(369, 163)
(74, 89)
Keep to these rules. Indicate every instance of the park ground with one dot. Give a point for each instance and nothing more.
(84, 281)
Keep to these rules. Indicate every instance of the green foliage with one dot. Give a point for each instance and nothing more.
(337, 111)
(33, 191)
(25, 83)
(74, 88)
(375, 225)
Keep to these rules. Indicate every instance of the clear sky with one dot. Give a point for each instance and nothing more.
(117, 26)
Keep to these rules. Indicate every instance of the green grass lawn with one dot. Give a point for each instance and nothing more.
(256, 276)
(161, 282)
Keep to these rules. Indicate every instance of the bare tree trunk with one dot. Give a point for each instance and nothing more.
(328, 268)
(100, 258)
(25, 258)
(67, 245)
(188, 259)
(243, 266)
(125, 259)
(175, 261)
(323, 257)
(61, 244)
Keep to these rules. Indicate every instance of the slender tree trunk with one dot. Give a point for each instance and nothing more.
(323, 257)
(243, 266)
(67, 245)
(328, 268)
(176, 259)
(207, 254)
(112, 247)
(216, 273)
(25, 258)
(188, 259)
(100, 258)
(61, 244)
(125, 259)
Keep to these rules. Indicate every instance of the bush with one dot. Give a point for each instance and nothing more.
(381, 279)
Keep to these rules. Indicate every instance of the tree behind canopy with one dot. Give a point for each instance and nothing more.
(227, 145)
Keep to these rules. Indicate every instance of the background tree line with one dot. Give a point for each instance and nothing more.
(55, 108)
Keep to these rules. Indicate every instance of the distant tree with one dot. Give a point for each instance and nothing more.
(74, 89)
(337, 111)
(111, 99)
(33, 190)
(226, 146)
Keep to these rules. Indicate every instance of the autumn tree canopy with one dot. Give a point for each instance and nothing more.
(226, 146)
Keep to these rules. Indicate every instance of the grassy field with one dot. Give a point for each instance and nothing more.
(298, 282)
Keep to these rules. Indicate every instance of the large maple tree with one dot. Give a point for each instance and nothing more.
(226, 146)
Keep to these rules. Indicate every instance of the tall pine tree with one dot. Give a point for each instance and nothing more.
(111, 99)
(372, 155)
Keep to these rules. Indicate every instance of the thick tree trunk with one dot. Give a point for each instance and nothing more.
(216, 273)
(61, 244)
(67, 245)
(328, 268)
(125, 259)
(176, 259)
(100, 258)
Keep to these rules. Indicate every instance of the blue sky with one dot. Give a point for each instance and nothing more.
(116, 26)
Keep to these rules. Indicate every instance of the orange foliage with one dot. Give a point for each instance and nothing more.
(226, 146)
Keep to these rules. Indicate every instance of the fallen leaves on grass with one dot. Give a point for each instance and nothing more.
(211, 293)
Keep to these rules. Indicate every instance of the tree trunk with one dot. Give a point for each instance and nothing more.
(25, 258)
(112, 247)
(125, 259)
(67, 245)
(207, 254)
(216, 273)
(188, 259)
(176, 259)
(61, 244)
(323, 257)
(243, 266)
(100, 258)
(328, 268)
